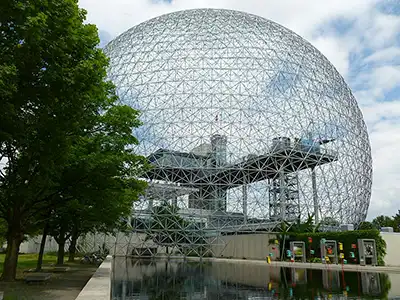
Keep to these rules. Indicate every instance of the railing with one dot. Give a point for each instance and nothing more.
(313, 148)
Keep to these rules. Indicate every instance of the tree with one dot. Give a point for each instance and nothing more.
(330, 221)
(164, 284)
(396, 221)
(365, 226)
(52, 90)
(286, 228)
(167, 227)
(382, 221)
(108, 168)
(307, 226)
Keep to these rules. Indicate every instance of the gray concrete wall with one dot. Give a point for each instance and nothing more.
(249, 246)
(33, 245)
(392, 240)
(394, 286)
(256, 246)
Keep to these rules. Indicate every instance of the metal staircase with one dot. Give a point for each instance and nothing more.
(284, 204)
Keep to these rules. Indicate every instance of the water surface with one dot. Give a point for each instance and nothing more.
(163, 280)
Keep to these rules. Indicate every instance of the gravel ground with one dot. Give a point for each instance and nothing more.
(62, 286)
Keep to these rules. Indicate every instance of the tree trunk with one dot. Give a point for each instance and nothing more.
(42, 245)
(11, 259)
(72, 247)
(61, 251)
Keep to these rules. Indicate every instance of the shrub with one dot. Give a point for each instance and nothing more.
(345, 237)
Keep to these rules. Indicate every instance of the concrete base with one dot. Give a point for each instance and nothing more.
(59, 269)
(99, 286)
(355, 268)
(37, 277)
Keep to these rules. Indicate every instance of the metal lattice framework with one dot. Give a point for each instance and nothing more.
(246, 124)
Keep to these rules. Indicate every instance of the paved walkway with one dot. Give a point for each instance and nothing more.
(62, 286)
(354, 268)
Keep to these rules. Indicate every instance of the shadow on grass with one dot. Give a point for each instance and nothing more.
(62, 286)
(28, 261)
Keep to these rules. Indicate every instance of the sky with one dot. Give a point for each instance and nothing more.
(361, 38)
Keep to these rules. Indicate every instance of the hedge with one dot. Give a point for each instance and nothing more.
(345, 237)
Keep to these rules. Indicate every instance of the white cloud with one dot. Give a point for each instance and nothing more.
(386, 77)
(371, 77)
(301, 16)
(382, 31)
(385, 141)
(332, 48)
(386, 55)
(375, 112)
(374, 83)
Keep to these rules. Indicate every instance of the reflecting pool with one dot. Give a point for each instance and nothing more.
(169, 280)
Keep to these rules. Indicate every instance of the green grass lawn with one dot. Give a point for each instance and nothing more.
(29, 261)
(63, 286)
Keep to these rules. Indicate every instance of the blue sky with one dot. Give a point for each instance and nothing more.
(360, 37)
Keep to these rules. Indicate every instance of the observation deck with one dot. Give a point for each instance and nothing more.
(194, 171)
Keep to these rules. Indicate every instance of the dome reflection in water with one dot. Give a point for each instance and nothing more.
(160, 279)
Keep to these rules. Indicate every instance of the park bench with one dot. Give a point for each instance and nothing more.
(37, 277)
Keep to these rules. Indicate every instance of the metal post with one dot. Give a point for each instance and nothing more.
(124, 289)
(269, 198)
(315, 195)
(245, 203)
(150, 206)
(282, 195)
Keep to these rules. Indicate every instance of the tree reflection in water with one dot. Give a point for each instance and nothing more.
(169, 280)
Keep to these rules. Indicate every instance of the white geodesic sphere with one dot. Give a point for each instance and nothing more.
(197, 73)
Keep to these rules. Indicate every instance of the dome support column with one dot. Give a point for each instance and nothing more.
(315, 195)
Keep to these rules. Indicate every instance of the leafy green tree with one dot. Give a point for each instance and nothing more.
(166, 284)
(330, 221)
(396, 221)
(52, 92)
(307, 226)
(3, 232)
(108, 167)
(383, 221)
(286, 228)
(366, 226)
(167, 227)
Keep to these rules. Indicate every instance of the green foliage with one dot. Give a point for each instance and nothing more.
(167, 227)
(100, 174)
(329, 221)
(345, 237)
(316, 260)
(366, 226)
(28, 261)
(52, 81)
(3, 232)
(383, 221)
(63, 137)
(105, 166)
(165, 284)
(307, 226)
(396, 221)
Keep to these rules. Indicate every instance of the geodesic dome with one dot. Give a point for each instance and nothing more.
(245, 124)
